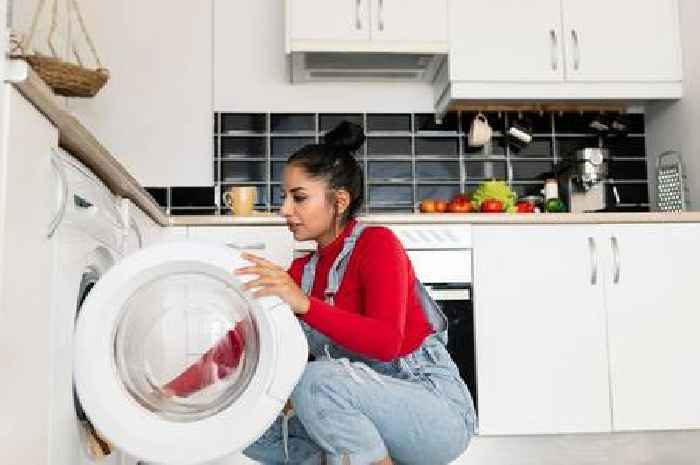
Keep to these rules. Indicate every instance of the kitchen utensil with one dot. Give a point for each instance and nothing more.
(241, 199)
(480, 132)
(671, 183)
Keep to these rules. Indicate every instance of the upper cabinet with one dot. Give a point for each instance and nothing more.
(314, 21)
(416, 21)
(562, 49)
(602, 47)
(506, 41)
(367, 25)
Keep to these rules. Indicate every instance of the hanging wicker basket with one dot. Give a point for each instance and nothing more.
(63, 77)
(68, 79)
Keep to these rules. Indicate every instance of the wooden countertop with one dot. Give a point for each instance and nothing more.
(80, 142)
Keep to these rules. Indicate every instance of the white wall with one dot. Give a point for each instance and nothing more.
(155, 113)
(676, 125)
(252, 71)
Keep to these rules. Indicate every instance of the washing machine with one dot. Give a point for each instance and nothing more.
(161, 356)
(140, 230)
(86, 237)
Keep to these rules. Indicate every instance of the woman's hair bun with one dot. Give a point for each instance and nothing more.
(346, 135)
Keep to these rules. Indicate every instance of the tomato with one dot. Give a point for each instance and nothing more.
(459, 207)
(427, 206)
(440, 206)
(525, 207)
(491, 206)
(460, 199)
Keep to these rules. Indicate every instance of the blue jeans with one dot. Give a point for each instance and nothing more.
(415, 409)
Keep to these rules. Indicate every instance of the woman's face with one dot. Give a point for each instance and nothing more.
(307, 206)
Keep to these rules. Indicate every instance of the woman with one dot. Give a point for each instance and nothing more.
(383, 386)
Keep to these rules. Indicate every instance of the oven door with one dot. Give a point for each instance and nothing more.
(455, 300)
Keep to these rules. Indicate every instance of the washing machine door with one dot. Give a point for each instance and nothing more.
(175, 364)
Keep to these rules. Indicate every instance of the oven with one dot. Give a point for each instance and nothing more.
(442, 259)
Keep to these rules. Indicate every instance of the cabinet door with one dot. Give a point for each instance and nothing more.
(540, 331)
(410, 20)
(505, 40)
(275, 243)
(654, 321)
(328, 20)
(622, 40)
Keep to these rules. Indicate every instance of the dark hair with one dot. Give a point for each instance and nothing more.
(333, 161)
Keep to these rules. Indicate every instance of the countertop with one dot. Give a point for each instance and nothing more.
(80, 142)
(452, 218)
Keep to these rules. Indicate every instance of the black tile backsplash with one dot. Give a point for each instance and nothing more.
(408, 157)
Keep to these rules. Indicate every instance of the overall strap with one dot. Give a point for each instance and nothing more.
(335, 275)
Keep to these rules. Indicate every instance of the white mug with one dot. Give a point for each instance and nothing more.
(480, 132)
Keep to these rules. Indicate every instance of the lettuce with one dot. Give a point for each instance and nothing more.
(498, 190)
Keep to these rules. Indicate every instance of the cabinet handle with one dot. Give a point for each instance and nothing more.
(381, 15)
(577, 49)
(616, 259)
(555, 47)
(251, 246)
(594, 261)
(56, 221)
(358, 20)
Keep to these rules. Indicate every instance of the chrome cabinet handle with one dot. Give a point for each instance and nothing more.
(358, 20)
(56, 221)
(594, 261)
(555, 47)
(577, 49)
(616, 259)
(251, 246)
(381, 15)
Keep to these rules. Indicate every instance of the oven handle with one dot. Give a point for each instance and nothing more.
(452, 294)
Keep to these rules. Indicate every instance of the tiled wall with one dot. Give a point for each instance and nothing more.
(408, 157)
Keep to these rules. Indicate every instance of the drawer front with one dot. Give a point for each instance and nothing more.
(273, 243)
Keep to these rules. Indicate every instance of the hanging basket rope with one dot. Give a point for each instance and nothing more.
(65, 78)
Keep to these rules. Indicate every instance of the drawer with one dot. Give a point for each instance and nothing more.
(271, 242)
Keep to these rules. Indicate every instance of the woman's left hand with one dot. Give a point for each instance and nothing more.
(273, 280)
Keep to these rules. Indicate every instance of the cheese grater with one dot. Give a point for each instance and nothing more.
(671, 186)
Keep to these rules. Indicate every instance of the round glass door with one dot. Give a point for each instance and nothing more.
(186, 345)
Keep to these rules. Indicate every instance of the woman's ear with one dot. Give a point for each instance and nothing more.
(342, 201)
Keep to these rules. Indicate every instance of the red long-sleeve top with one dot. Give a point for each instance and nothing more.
(376, 312)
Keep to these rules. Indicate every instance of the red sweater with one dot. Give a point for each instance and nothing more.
(376, 313)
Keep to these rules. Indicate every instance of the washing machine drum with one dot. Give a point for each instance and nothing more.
(175, 363)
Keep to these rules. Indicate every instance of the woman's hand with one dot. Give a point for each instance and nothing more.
(273, 280)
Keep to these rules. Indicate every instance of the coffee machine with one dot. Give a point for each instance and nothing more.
(582, 180)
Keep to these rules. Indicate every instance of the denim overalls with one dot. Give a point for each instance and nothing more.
(357, 410)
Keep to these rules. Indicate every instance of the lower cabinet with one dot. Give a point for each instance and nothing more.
(540, 331)
(274, 243)
(653, 325)
(587, 328)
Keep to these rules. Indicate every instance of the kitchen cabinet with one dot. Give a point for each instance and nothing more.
(611, 41)
(540, 331)
(587, 327)
(367, 25)
(275, 243)
(28, 202)
(561, 50)
(506, 40)
(328, 19)
(653, 321)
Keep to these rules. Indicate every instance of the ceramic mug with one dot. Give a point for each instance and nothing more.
(480, 132)
(241, 199)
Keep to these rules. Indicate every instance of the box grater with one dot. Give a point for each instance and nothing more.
(671, 184)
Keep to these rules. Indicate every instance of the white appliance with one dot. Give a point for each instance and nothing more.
(86, 238)
(140, 230)
(123, 327)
